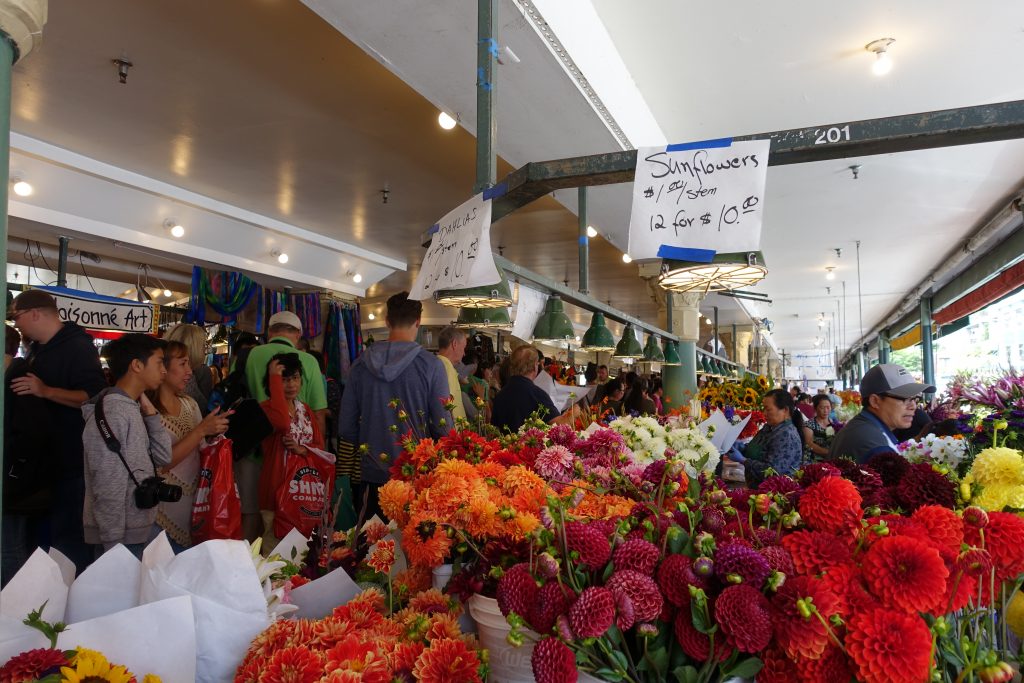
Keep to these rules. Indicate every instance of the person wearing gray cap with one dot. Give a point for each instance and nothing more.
(889, 395)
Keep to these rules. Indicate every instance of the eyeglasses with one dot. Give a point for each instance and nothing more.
(17, 314)
(906, 401)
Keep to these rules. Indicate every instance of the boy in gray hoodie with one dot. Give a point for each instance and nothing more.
(111, 515)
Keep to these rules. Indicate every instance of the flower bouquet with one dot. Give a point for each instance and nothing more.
(944, 450)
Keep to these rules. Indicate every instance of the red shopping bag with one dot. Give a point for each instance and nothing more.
(304, 494)
(217, 511)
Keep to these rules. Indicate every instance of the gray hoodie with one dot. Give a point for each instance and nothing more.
(110, 515)
(389, 370)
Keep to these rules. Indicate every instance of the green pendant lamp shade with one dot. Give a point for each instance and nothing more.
(498, 295)
(706, 365)
(484, 318)
(598, 337)
(628, 346)
(672, 354)
(652, 351)
(553, 324)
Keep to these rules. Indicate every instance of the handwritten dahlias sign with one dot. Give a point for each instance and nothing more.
(460, 251)
(705, 196)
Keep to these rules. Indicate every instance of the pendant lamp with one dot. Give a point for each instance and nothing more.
(498, 295)
(706, 365)
(628, 346)
(672, 354)
(725, 272)
(484, 318)
(598, 337)
(652, 351)
(554, 324)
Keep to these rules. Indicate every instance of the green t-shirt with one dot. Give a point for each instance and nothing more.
(312, 394)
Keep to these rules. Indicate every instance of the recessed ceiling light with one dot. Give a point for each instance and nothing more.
(446, 120)
(591, 231)
(883, 62)
(626, 258)
(372, 316)
(281, 257)
(168, 293)
(357, 278)
(174, 227)
(829, 275)
(22, 188)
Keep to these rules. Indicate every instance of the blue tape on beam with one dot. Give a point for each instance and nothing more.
(498, 190)
(686, 254)
(584, 239)
(434, 228)
(704, 144)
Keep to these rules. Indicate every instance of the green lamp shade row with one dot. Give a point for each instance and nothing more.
(628, 346)
(484, 318)
(705, 363)
(498, 295)
(598, 337)
(672, 354)
(553, 324)
(653, 352)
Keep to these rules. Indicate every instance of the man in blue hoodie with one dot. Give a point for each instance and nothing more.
(399, 370)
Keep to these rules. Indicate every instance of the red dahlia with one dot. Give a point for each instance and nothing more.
(743, 561)
(830, 667)
(638, 555)
(553, 662)
(891, 466)
(32, 665)
(778, 668)
(552, 601)
(641, 591)
(814, 551)
(816, 471)
(889, 647)
(846, 582)
(675, 576)
(590, 542)
(832, 505)
(906, 573)
(1004, 540)
(517, 591)
(966, 587)
(779, 484)
(744, 615)
(778, 559)
(695, 644)
(712, 520)
(796, 634)
(922, 485)
(945, 528)
(593, 612)
(974, 562)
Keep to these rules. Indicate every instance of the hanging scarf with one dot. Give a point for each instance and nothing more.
(227, 293)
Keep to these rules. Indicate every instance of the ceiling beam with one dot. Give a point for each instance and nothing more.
(945, 128)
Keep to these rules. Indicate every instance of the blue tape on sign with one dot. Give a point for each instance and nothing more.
(434, 228)
(704, 144)
(686, 254)
(498, 190)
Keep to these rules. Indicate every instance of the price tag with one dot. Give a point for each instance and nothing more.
(460, 251)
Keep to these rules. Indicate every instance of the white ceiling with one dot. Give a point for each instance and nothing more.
(281, 116)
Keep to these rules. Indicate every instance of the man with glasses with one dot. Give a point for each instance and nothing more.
(889, 395)
(64, 371)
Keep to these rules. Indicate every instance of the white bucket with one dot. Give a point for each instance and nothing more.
(439, 579)
(509, 664)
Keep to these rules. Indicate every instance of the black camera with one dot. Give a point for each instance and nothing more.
(153, 491)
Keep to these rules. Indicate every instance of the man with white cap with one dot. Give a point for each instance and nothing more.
(889, 395)
(284, 332)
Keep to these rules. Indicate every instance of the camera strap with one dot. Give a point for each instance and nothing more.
(112, 443)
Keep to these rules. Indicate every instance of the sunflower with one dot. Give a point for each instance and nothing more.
(762, 382)
(90, 666)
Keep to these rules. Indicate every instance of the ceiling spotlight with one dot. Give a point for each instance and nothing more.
(357, 278)
(591, 231)
(883, 62)
(446, 120)
(372, 316)
(626, 258)
(281, 257)
(829, 275)
(708, 321)
(175, 228)
(21, 187)
(168, 293)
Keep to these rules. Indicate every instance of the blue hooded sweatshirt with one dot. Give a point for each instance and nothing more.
(385, 371)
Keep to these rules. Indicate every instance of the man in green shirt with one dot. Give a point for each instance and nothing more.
(284, 331)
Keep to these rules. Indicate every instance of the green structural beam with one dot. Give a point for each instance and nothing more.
(946, 128)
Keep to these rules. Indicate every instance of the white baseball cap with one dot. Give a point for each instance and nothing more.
(285, 318)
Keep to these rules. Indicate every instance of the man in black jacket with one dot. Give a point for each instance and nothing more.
(64, 370)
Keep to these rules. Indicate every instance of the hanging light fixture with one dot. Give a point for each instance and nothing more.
(671, 354)
(705, 363)
(554, 324)
(724, 273)
(628, 346)
(484, 318)
(652, 351)
(883, 62)
(498, 295)
(598, 337)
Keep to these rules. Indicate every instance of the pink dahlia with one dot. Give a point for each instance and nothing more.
(589, 541)
(638, 555)
(593, 613)
(553, 662)
(641, 590)
(517, 591)
(555, 463)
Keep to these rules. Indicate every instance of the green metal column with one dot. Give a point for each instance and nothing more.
(883, 347)
(672, 376)
(927, 352)
(486, 120)
(584, 242)
(7, 57)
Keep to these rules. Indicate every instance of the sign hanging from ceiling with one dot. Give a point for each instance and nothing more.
(97, 312)
(460, 251)
(696, 199)
(528, 311)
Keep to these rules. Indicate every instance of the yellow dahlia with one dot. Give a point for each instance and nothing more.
(1015, 614)
(998, 466)
(997, 496)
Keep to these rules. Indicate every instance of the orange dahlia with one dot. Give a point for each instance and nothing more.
(814, 551)
(434, 601)
(272, 639)
(342, 676)
(906, 573)
(395, 498)
(296, 664)
(382, 557)
(442, 626)
(887, 646)
(447, 661)
(831, 505)
(330, 631)
(403, 658)
(799, 635)
(425, 541)
(412, 580)
(354, 654)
